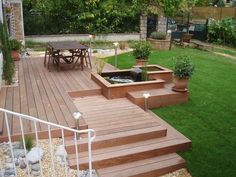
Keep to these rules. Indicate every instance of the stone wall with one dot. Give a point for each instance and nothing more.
(84, 37)
(18, 21)
(143, 27)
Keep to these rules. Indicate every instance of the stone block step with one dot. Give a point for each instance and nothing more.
(116, 139)
(151, 167)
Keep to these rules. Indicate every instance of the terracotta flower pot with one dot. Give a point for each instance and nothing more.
(141, 62)
(181, 85)
(15, 55)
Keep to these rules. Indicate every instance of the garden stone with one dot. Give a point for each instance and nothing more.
(19, 153)
(35, 167)
(2, 173)
(86, 173)
(61, 152)
(17, 161)
(8, 159)
(34, 155)
(16, 145)
(22, 164)
(9, 166)
(9, 172)
(35, 173)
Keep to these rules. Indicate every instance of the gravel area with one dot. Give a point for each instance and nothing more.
(34, 168)
(179, 173)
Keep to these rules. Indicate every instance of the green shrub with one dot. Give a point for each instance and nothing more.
(14, 44)
(158, 35)
(222, 31)
(8, 67)
(183, 67)
(28, 142)
(142, 50)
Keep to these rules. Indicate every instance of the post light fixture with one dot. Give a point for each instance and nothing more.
(169, 32)
(90, 45)
(146, 95)
(116, 46)
(77, 116)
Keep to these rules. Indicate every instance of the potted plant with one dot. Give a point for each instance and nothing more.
(159, 40)
(183, 70)
(15, 47)
(141, 52)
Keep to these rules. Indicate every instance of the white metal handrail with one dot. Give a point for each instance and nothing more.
(90, 132)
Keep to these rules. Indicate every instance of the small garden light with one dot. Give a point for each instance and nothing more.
(90, 44)
(116, 45)
(146, 96)
(77, 116)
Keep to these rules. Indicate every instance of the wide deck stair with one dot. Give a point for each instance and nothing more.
(129, 142)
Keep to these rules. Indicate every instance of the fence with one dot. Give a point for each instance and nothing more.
(216, 13)
(35, 122)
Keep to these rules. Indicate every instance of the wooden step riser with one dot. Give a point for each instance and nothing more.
(134, 157)
(76, 94)
(171, 167)
(160, 172)
(117, 141)
(161, 101)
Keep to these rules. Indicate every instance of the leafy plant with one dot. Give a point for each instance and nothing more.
(8, 68)
(158, 35)
(145, 73)
(14, 44)
(183, 68)
(222, 31)
(28, 142)
(99, 64)
(142, 50)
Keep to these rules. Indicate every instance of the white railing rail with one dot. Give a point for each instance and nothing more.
(34, 121)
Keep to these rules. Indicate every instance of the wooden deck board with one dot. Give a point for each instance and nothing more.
(43, 94)
(106, 115)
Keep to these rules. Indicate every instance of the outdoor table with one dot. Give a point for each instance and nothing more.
(55, 51)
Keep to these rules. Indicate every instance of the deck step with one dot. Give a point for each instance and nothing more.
(116, 139)
(158, 97)
(151, 167)
(112, 156)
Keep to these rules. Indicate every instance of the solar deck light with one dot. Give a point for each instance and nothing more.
(146, 96)
(77, 116)
(116, 45)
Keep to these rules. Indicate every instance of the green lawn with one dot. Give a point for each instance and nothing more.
(209, 118)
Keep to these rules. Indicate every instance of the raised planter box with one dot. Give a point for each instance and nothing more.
(158, 72)
(160, 44)
(112, 91)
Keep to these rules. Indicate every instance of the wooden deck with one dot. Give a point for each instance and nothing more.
(129, 142)
(43, 94)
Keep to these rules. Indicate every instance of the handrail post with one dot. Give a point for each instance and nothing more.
(90, 132)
